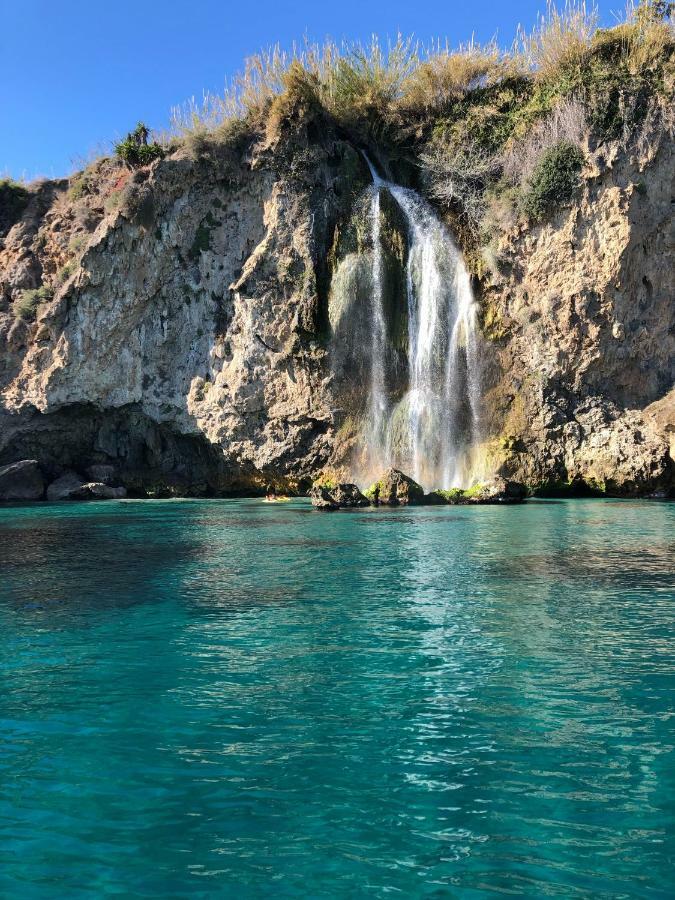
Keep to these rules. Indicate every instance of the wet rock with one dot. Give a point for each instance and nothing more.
(342, 496)
(322, 499)
(395, 489)
(72, 487)
(497, 490)
(348, 495)
(21, 481)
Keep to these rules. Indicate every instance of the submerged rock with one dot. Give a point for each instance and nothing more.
(395, 489)
(497, 490)
(342, 496)
(21, 481)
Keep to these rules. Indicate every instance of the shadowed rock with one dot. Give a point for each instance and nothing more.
(22, 481)
(72, 487)
(65, 487)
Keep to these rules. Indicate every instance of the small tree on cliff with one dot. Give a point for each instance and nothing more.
(135, 149)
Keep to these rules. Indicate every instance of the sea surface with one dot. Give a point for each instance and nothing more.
(237, 699)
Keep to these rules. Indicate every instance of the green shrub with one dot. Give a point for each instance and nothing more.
(26, 305)
(135, 150)
(77, 243)
(65, 272)
(328, 484)
(553, 181)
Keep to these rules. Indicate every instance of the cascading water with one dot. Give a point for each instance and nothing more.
(378, 398)
(429, 430)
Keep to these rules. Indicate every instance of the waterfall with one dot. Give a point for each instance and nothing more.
(429, 430)
(378, 398)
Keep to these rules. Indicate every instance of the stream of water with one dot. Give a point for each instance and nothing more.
(429, 430)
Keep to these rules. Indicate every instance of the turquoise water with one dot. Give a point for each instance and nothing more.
(229, 698)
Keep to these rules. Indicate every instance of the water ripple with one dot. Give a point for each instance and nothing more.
(203, 697)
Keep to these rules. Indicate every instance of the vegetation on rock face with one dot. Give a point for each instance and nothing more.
(554, 180)
(27, 304)
(135, 150)
(479, 120)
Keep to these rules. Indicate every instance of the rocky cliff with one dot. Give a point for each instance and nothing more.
(582, 321)
(175, 321)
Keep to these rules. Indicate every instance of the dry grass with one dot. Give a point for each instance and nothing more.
(444, 75)
(458, 179)
(567, 122)
(560, 41)
(357, 83)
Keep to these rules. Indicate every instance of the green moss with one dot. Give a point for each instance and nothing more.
(474, 491)
(202, 240)
(325, 483)
(554, 180)
(454, 495)
(373, 491)
(565, 487)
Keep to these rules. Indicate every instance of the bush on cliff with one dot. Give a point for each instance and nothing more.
(553, 181)
(27, 304)
(135, 150)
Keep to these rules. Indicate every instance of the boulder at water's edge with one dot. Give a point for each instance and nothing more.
(21, 481)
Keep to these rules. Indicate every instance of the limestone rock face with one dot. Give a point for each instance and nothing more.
(22, 481)
(185, 341)
(581, 319)
(101, 473)
(182, 338)
(394, 488)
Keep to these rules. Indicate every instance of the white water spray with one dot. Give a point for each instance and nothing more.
(378, 396)
(430, 429)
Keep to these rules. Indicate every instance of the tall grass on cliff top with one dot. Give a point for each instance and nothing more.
(357, 83)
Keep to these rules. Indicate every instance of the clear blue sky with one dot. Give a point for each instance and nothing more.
(77, 74)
